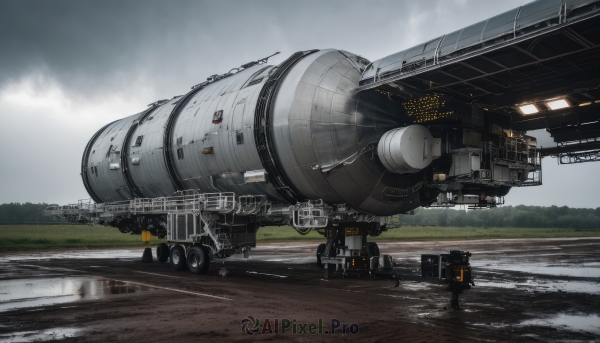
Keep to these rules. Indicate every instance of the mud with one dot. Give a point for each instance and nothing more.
(544, 290)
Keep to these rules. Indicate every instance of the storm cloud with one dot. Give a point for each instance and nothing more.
(69, 67)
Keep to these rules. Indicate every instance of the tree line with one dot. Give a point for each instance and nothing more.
(504, 216)
(509, 216)
(17, 213)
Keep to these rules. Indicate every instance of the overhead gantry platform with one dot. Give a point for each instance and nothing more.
(537, 65)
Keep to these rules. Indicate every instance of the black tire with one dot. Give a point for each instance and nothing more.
(207, 259)
(372, 249)
(177, 257)
(162, 252)
(320, 251)
(198, 260)
(332, 251)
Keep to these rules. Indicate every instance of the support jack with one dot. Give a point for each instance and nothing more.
(147, 256)
(453, 269)
(454, 302)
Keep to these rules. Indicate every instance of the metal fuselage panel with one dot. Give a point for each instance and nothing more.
(232, 140)
(109, 184)
(323, 133)
(150, 175)
(320, 121)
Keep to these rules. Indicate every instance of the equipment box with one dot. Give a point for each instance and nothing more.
(433, 265)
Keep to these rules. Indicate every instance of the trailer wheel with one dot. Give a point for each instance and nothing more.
(372, 249)
(162, 252)
(177, 257)
(198, 260)
(320, 251)
(206, 259)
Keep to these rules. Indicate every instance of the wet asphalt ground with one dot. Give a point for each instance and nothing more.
(530, 290)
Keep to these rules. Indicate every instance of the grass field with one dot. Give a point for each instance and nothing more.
(25, 237)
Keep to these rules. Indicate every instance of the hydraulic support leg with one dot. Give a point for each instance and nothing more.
(330, 242)
(454, 302)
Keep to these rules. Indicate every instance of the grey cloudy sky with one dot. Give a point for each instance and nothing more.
(69, 67)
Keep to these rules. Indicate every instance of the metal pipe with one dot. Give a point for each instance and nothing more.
(569, 148)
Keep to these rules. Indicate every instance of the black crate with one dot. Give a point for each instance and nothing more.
(430, 265)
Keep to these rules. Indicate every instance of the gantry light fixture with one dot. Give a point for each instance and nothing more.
(528, 109)
(557, 104)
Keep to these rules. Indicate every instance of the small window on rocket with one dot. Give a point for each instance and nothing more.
(218, 117)
(138, 140)
(180, 154)
(108, 152)
(239, 137)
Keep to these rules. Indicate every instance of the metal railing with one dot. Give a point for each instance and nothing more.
(432, 53)
(182, 202)
(310, 215)
(511, 151)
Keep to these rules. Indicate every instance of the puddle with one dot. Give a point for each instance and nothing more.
(569, 322)
(286, 245)
(491, 325)
(23, 293)
(415, 286)
(40, 336)
(550, 286)
(290, 258)
(586, 270)
(76, 254)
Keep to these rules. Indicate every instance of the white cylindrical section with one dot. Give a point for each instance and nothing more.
(408, 149)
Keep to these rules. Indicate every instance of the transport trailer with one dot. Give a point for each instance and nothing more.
(200, 226)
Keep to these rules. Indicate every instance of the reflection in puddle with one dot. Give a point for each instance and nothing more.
(569, 322)
(286, 258)
(492, 325)
(39, 336)
(415, 286)
(587, 270)
(549, 286)
(76, 254)
(23, 293)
